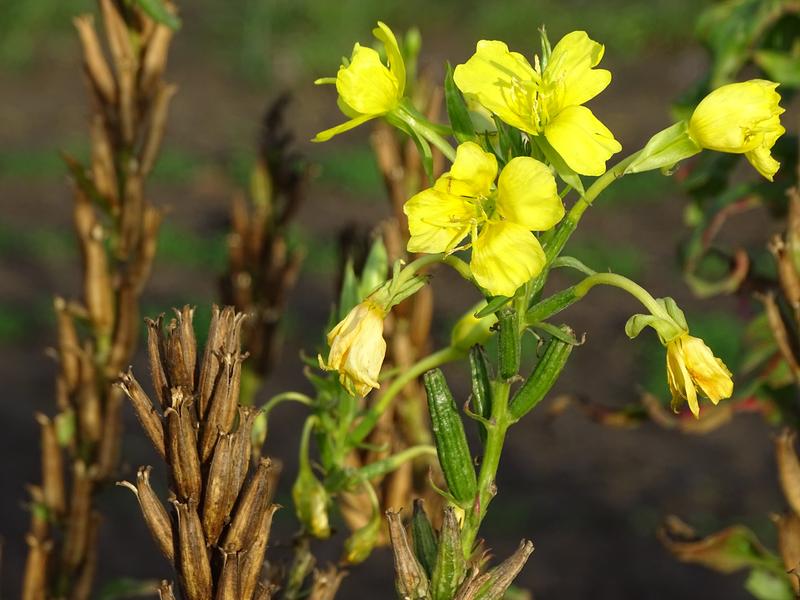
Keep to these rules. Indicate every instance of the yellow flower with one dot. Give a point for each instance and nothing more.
(367, 88)
(358, 348)
(692, 365)
(741, 118)
(548, 103)
(464, 201)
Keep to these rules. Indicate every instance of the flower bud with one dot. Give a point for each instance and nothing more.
(692, 365)
(741, 118)
(311, 503)
(470, 331)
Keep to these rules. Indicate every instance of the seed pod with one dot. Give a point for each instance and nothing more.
(509, 342)
(77, 534)
(156, 127)
(98, 290)
(264, 592)
(52, 467)
(40, 517)
(90, 416)
(188, 343)
(93, 59)
(501, 577)
(220, 491)
(326, 583)
(34, 580)
(472, 586)
(222, 409)
(182, 448)
(250, 509)
(481, 387)
(543, 378)
(311, 503)
(68, 345)
(424, 538)
(253, 561)
(145, 411)
(410, 579)
(155, 58)
(155, 352)
(109, 448)
(789, 545)
(242, 447)
(209, 367)
(788, 468)
(193, 566)
(154, 513)
(177, 371)
(450, 564)
(302, 564)
(451, 441)
(165, 591)
(130, 223)
(139, 271)
(228, 584)
(83, 583)
(104, 174)
(126, 332)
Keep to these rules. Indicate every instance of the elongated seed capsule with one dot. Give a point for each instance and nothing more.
(326, 583)
(145, 411)
(451, 441)
(93, 59)
(79, 515)
(242, 447)
(209, 367)
(98, 288)
(410, 579)
(182, 446)
(788, 468)
(139, 271)
(82, 584)
(155, 353)
(52, 467)
(104, 174)
(188, 342)
(155, 58)
(154, 513)
(222, 410)
(193, 565)
(789, 544)
(508, 342)
(40, 518)
(68, 345)
(165, 591)
(501, 577)
(220, 492)
(253, 561)
(109, 448)
(450, 563)
(126, 332)
(90, 415)
(263, 592)
(250, 509)
(176, 366)
(424, 538)
(34, 579)
(228, 584)
(472, 585)
(481, 387)
(543, 377)
(156, 126)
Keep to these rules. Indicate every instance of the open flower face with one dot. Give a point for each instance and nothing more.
(367, 88)
(548, 103)
(692, 368)
(358, 348)
(741, 118)
(499, 219)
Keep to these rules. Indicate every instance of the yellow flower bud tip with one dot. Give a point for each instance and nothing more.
(358, 348)
(499, 218)
(368, 88)
(548, 102)
(741, 118)
(692, 368)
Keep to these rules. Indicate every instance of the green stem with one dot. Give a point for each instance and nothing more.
(363, 429)
(305, 438)
(424, 128)
(392, 463)
(285, 397)
(460, 266)
(495, 439)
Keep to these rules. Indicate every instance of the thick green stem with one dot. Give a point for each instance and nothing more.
(374, 412)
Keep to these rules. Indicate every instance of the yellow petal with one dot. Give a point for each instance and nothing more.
(527, 194)
(366, 85)
(763, 162)
(504, 256)
(502, 81)
(707, 371)
(569, 73)
(437, 221)
(472, 173)
(582, 140)
(324, 136)
(396, 64)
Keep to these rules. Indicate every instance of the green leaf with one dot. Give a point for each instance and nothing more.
(780, 66)
(158, 11)
(375, 269)
(765, 585)
(348, 296)
(560, 333)
(492, 306)
(457, 110)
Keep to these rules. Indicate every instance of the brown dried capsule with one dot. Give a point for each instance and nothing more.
(40, 522)
(90, 416)
(224, 402)
(78, 522)
(193, 566)
(264, 591)
(156, 127)
(154, 513)
(82, 585)
(326, 583)
(109, 447)
(501, 577)
(93, 59)
(410, 578)
(789, 544)
(221, 321)
(220, 491)
(242, 447)
(68, 345)
(250, 510)
(228, 584)
(155, 58)
(188, 342)
(165, 591)
(253, 560)
(34, 580)
(145, 411)
(788, 468)
(104, 173)
(179, 376)
(52, 467)
(130, 222)
(126, 332)
(155, 352)
(143, 261)
(182, 447)
(98, 290)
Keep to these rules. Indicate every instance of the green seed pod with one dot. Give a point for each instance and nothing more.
(424, 538)
(509, 343)
(543, 377)
(450, 564)
(481, 387)
(451, 442)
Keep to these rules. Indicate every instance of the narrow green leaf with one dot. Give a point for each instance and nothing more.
(457, 110)
(158, 11)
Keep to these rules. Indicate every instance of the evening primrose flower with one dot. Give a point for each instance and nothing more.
(367, 88)
(499, 219)
(741, 118)
(548, 102)
(693, 369)
(358, 348)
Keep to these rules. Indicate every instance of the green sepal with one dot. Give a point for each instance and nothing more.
(493, 304)
(509, 342)
(565, 335)
(450, 563)
(424, 538)
(457, 111)
(481, 388)
(348, 295)
(375, 269)
(665, 149)
(158, 11)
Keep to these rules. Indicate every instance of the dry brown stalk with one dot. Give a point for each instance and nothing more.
(221, 499)
(117, 232)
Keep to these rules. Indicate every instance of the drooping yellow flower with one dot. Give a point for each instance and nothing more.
(499, 219)
(367, 88)
(741, 118)
(548, 103)
(358, 348)
(692, 368)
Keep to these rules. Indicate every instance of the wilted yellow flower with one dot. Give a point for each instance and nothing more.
(692, 365)
(548, 103)
(311, 503)
(367, 88)
(464, 201)
(358, 348)
(741, 118)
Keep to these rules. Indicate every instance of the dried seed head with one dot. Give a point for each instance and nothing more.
(326, 583)
(145, 411)
(93, 59)
(155, 353)
(182, 453)
(79, 520)
(52, 467)
(253, 561)
(410, 578)
(154, 513)
(251, 508)
(788, 468)
(193, 565)
(501, 577)
(220, 491)
(156, 127)
(224, 402)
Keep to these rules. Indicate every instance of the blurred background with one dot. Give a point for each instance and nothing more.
(590, 497)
